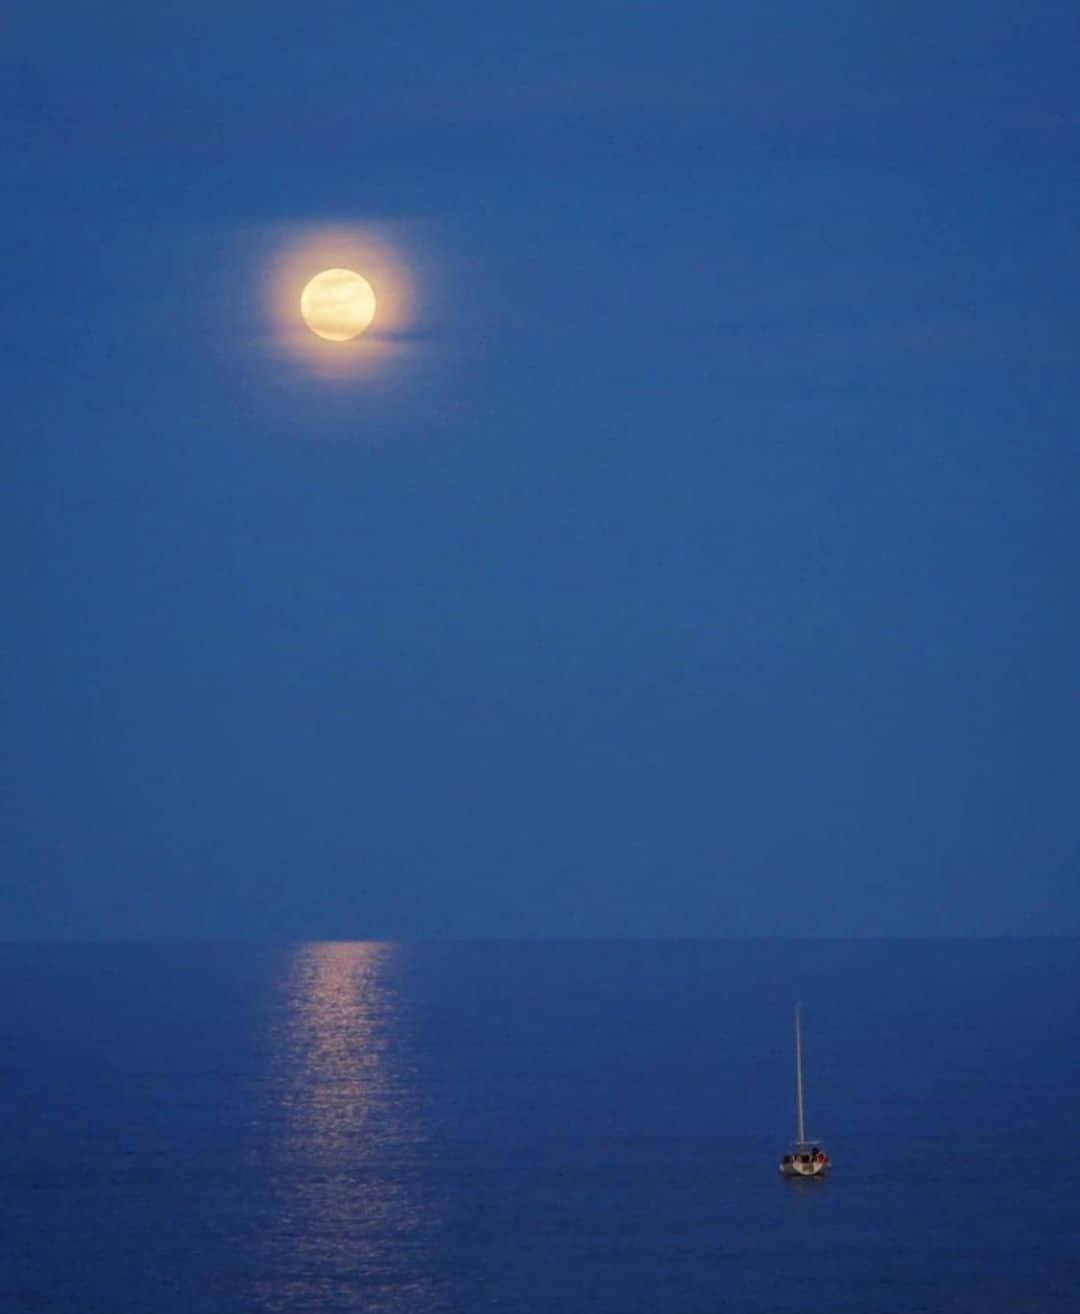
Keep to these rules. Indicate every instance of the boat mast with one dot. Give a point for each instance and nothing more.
(798, 1071)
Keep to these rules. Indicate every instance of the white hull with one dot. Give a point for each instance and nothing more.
(803, 1169)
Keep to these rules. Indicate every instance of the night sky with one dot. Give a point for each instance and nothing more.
(703, 559)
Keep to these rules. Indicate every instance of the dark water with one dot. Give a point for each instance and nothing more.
(539, 1128)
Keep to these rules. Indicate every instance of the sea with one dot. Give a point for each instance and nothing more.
(538, 1128)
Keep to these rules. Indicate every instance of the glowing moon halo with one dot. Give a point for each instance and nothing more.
(337, 305)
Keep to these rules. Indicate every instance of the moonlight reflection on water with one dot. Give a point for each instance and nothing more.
(351, 1220)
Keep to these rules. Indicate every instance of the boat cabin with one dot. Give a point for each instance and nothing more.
(806, 1152)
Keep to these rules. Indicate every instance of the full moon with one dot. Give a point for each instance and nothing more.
(337, 305)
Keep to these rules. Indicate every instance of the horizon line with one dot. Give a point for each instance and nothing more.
(943, 938)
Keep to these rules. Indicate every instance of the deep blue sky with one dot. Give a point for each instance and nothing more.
(715, 570)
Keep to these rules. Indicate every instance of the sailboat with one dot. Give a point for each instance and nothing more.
(807, 1157)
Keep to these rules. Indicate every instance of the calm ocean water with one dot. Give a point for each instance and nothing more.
(537, 1128)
